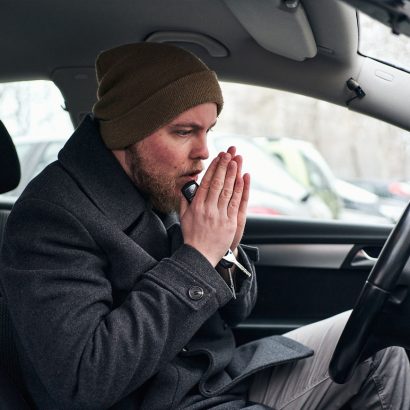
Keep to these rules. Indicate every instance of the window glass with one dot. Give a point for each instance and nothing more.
(48, 155)
(23, 151)
(327, 149)
(34, 109)
(376, 40)
(307, 158)
(316, 175)
(261, 166)
(33, 113)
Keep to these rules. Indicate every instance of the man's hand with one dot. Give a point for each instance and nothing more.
(244, 201)
(210, 222)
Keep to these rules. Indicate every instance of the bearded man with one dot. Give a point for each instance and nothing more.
(114, 281)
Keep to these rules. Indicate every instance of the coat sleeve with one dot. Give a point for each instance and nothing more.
(86, 351)
(240, 308)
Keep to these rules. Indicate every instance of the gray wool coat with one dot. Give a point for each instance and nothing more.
(104, 297)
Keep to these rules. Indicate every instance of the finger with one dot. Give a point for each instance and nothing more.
(235, 201)
(239, 160)
(183, 206)
(228, 188)
(218, 179)
(203, 188)
(245, 196)
(231, 150)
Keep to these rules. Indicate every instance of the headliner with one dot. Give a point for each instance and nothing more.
(60, 40)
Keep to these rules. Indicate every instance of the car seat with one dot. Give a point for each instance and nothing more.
(12, 391)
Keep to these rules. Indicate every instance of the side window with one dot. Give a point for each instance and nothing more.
(33, 113)
(329, 150)
(48, 155)
(316, 176)
(279, 157)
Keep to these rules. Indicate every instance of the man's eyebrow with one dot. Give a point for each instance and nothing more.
(193, 125)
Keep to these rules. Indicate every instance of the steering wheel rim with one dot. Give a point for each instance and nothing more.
(376, 291)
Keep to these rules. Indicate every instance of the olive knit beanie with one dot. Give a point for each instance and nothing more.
(144, 86)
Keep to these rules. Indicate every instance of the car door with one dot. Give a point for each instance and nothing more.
(307, 271)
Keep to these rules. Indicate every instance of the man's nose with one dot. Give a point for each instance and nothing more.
(200, 148)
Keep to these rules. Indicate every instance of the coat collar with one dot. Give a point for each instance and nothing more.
(100, 176)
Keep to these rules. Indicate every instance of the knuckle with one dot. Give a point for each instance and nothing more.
(226, 193)
(209, 214)
(217, 184)
(225, 159)
(238, 190)
(239, 184)
(204, 184)
(232, 167)
(234, 203)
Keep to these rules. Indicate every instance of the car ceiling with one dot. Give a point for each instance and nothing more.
(60, 40)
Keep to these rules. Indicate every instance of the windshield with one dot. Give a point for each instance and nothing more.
(376, 41)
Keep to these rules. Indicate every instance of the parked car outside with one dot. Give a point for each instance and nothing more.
(396, 190)
(346, 202)
(360, 205)
(272, 178)
(295, 182)
(304, 162)
(393, 195)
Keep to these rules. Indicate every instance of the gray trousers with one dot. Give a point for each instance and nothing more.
(380, 382)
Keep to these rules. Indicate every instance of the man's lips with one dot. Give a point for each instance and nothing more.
(193, 174)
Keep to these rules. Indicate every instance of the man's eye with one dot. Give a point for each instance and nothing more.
(183, 133)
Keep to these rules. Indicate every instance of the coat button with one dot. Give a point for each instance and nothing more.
(196, 293)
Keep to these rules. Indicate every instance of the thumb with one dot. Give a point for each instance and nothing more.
(183, 206)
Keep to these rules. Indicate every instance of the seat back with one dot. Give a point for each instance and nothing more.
(10, 172)
(11, 382)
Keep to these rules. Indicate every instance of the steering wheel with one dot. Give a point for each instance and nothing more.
(357, 340)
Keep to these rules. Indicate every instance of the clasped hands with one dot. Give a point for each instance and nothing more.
(215, 220)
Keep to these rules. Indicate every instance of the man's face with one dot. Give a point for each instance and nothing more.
(163, 162)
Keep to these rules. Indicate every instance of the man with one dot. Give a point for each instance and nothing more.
(119, 301)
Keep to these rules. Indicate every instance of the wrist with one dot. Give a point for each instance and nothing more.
(211, 259)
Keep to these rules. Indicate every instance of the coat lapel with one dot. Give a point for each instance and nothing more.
(100, 176)
(173, 227)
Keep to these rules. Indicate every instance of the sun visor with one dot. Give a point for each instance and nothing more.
(279, 26)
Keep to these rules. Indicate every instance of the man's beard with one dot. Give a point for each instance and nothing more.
(161, 189)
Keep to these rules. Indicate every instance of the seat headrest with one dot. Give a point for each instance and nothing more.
(10, 172)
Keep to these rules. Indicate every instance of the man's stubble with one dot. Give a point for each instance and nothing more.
(161, 189)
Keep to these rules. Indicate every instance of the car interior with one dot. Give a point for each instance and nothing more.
(308, 269)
